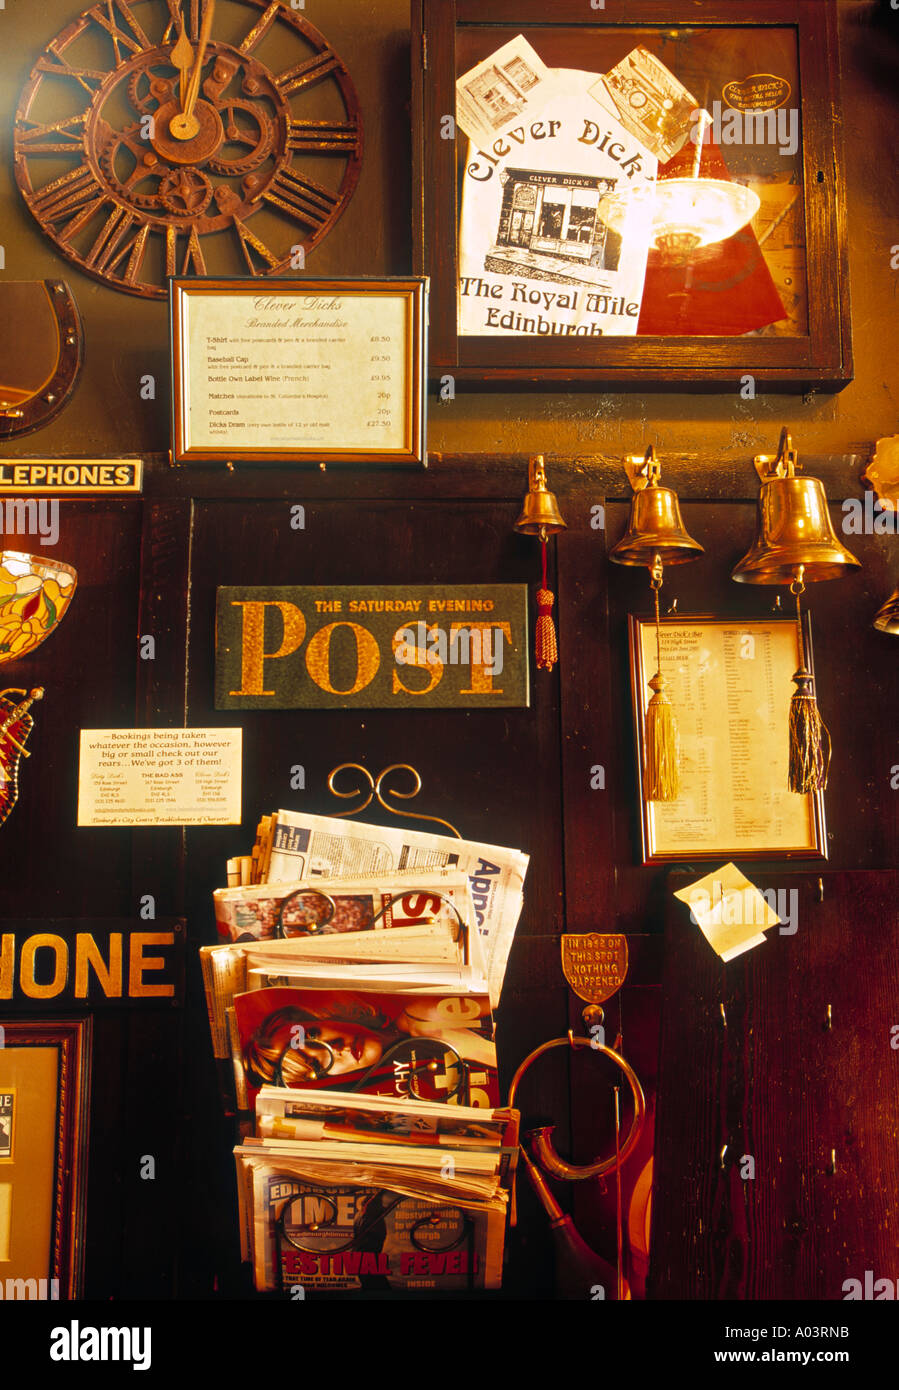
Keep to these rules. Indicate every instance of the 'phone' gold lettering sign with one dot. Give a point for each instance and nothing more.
(116, 963)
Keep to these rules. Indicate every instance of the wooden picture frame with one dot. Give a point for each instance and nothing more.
(301, 370)
(451, 36)
(734, 800)
(43, 1176)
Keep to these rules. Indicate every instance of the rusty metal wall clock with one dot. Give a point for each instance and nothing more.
(157, 138)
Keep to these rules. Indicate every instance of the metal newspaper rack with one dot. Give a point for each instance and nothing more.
(375, 785)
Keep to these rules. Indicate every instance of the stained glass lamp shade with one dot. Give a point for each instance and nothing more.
(34, 595)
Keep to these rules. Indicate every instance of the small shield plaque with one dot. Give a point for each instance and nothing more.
(595, 966)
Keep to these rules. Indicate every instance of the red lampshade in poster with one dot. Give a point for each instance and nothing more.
(723, 289)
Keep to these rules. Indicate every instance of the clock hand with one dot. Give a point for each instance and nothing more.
(184, 125)
(193, 89)
(182, 57)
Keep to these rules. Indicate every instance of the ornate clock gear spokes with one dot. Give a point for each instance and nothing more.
(132, 157)
(154, 161)
(141, 165)
(236, 133)
(159, 88)
(185, 192)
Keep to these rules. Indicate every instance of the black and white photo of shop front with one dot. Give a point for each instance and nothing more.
(549, 228)
(501, 93)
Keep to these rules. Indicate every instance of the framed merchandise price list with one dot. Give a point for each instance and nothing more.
(323, 370)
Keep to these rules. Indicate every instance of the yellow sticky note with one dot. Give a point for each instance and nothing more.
(729, 910)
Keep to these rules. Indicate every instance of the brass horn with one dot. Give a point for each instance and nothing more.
(578, 1267)
(794, 530)
(655, 526)
(544, 1149)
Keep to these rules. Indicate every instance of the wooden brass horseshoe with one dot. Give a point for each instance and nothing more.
(41, 353)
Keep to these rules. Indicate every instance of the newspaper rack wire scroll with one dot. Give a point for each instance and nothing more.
(375, 790)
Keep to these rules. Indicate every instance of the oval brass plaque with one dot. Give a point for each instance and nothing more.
(760, 92)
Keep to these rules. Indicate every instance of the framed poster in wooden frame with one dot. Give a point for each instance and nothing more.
(584, 223)
(45, 1067)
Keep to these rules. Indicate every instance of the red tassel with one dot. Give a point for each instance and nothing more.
(547, 647)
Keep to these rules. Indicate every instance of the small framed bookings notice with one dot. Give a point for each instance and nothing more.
(299, 370)
(730, 683)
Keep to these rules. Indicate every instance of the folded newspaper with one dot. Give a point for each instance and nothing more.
(358, 971)
(429, 1043)
(306, 847)
(300, 908)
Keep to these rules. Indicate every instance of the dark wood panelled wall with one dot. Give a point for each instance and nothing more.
(518, 777)
(790, 1049)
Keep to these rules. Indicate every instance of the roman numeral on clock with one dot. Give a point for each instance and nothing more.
(261, 27)
(76, 196)
(135, 42)
(190, 14)
(193, 263)
(251, 245)
(88, 78)
(106, 251)
(308, 73)
(39, 139)
(303, 199)
(135, 250)
(197, 10)
(323, 137)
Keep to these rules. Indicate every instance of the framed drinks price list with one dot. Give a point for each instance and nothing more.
(730, 682)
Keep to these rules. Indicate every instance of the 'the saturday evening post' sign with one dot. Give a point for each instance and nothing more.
(372, 647)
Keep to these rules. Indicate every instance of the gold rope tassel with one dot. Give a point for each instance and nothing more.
(809, 758)
(546, 644)
(661, 774)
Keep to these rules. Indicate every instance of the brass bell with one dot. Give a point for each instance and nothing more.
(794, 530)
(887, 619)
(655, 526)
(540, 515)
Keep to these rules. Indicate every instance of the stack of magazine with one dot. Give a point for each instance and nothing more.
(351, 1010)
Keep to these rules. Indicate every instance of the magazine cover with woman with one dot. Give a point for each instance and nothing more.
(434, 1047)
